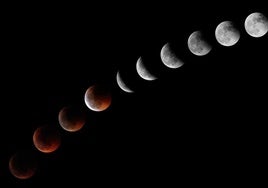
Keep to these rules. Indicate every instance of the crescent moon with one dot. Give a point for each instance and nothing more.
(169, 58)
(122, 84)
(143, 71)
(97, 98)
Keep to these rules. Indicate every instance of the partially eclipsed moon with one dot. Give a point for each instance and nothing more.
(227, 34)
(71, 118)
(169, 58)
(256, 24)
(122, 84)
(46, 139)
(197, 44)
(143, 71)
(97, 98)
(22, 165)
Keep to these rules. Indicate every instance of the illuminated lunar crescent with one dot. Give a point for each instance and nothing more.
(46, 139)
(143, 71)
(97, 98)
(169, 58)
(256, 24)
(22, 164)
(71, 118)
(122, 84)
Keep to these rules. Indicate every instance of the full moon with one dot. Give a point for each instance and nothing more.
(97, 98)
(46, 139)
(169, 58)
(197, 44)
(142, 71)
(256, 24)
(71, 118)
(22, 164)
(227, 34)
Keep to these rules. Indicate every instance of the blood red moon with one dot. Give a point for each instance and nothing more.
(22, 164)
(46, 139)
(72, 118)
(98, 98)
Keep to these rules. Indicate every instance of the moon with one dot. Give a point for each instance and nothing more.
(143, 71)
(256, 24)
(122, 84)
(22, 164)
(198, 45)
(71, 118)
(169, 58)
(97, 98)
(227, 34)
(46, 139)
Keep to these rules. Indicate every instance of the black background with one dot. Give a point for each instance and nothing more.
(198, 124)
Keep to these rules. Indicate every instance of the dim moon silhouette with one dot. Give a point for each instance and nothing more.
(71, 118)
(198, 45)
(142, 71)
(169, 58)
(122, 84)
(46, 139)
(227, 34)
(256, 24)
(22, 164)
(97, 98)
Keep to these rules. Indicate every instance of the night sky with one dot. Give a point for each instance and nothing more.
(203, 121)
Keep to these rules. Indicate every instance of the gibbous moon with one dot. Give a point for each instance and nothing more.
(227, 34)
(22, 164)
(143, 71)
(46, 139)
(169, 58)
(97, 98)
(122, 84)
(197, 44)
(256, 24)
(71, 118)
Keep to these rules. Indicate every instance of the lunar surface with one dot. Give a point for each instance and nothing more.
(97, 98)
(22, 164)
(122, 84)
(169, 58)
(46, 139)
(198, 45)
(143, 71)
(256, 24)
(227, 34)
(71, 118)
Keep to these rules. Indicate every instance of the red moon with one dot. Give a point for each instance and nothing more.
(46, 139)
(71, 118)
(22, 165)
(97, 98)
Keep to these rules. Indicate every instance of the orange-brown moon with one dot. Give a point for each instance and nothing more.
(22, 165)
(98, 98)
(46, 139)
(71, 118)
